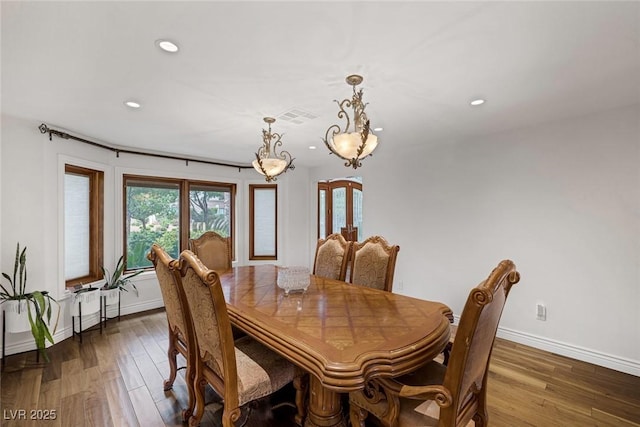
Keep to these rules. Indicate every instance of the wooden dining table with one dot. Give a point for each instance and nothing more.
(341, 334)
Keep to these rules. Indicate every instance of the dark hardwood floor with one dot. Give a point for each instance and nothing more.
(115, 379)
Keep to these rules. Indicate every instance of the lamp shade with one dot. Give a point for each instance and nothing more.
(347, 144)
(272, 167)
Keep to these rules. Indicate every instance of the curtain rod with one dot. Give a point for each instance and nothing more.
(45, 129)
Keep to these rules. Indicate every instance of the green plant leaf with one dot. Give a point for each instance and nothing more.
(15, 264)
(25, 279)
(46, 332)
(6, 276)
(118, 272)
(36, 330)
(39, 299)
(23, 270)
(55, 326)
(5, 292)
(49, 311)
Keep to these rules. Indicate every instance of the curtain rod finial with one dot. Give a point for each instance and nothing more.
(44, 129)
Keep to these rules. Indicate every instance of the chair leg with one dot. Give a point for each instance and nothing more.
(479, 420)
(189, 379)
(446, 352)
(198, 388)
(173, 367)
(357, 416)
(231, 416)
(481, 417)
(301, 384)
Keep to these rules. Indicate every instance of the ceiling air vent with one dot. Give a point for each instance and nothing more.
(296, 116)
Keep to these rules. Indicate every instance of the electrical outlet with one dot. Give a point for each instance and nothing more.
(541, 312)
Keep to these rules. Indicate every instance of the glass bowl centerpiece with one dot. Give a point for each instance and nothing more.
(293, 279)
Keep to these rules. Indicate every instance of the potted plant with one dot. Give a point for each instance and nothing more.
(27, 310)
(116, 282)
(89, 299)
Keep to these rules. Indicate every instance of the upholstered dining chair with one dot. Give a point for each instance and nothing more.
(240, 371)
(438, 395)
(332, 256)
(373, 263)
(179, 330)
(215, 253)
(213, 250)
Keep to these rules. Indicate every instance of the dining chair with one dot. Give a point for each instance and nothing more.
(239, 371)
(215, 253)
(447, 350)
(179, 330)
(213, 250)
(332, 256)
(439, 395)
(373, 263)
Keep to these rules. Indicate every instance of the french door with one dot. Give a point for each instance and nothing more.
(340, 208)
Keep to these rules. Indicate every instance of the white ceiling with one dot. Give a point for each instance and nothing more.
(73, 64)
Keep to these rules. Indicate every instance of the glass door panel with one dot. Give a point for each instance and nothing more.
(357, 212)
(322, 214)
(339, 214)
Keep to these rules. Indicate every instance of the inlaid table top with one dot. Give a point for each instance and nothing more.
(341, 333)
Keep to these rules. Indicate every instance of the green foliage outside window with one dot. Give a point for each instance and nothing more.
(153, 216)
(209, 211)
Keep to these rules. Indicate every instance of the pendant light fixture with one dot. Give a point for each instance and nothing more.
(269, 162)
(356, 143)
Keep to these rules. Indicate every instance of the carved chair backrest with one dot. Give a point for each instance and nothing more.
(208, 311)
(466, 375)
(165, 270)
(213, 250)
(373, 263)
(332, 256)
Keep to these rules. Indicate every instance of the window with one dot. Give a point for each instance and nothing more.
(83, 224)
(340, 208)
(263, 229)
(169, 212)
(209, 206)
(152, 215)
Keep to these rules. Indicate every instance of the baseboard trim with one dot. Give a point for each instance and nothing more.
(617, 363)
(575, 352)
(27, 344)
(135, 308)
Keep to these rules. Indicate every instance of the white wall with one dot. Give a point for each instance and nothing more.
(562, 200)
(31, 186)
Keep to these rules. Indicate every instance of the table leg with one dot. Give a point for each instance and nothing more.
(325, 409)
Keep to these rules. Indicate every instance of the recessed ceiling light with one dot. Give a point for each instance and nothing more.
(477, 102)
(167, 46)
(378, 129)
(132, 104)
(312, 147)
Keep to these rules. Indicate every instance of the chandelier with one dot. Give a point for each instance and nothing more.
(358, 143)
(270, 162)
